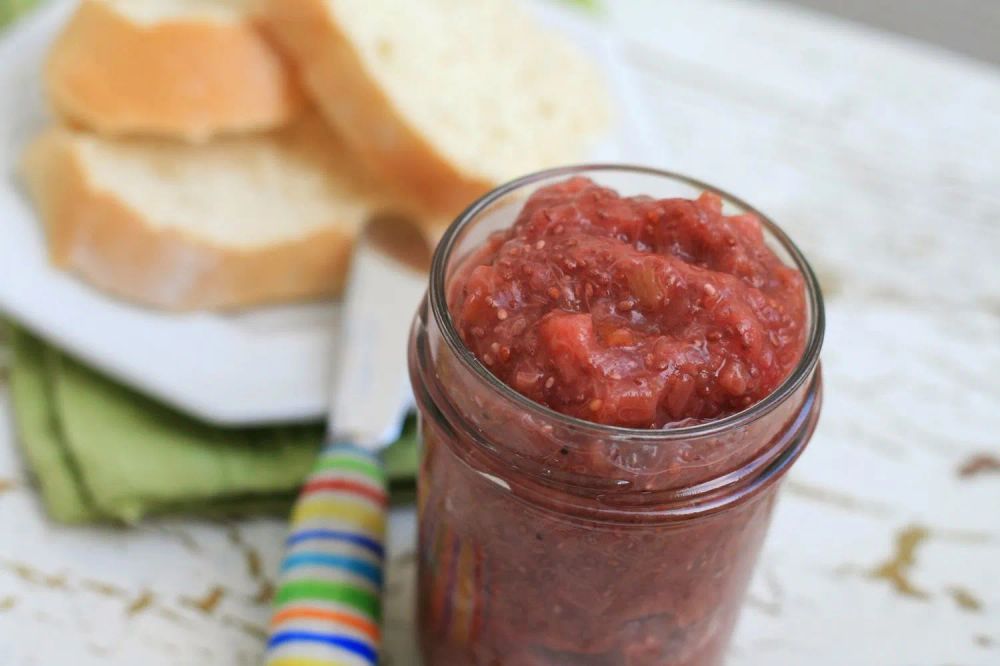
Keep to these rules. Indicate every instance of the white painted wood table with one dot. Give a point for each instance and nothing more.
(880, 157)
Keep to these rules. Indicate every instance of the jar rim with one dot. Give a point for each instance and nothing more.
(442, 314)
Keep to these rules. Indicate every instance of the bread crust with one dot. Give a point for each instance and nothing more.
(185, 78)
(334, 75)
(100, 238)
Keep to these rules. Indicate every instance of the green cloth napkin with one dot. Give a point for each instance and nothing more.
(11, 9)
(101, 452)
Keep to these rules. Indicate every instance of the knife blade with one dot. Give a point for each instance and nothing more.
(387, 279)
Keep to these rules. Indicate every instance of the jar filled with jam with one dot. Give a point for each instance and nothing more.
(614, 368)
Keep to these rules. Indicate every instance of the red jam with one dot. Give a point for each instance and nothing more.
(631, 311)
(547, 541)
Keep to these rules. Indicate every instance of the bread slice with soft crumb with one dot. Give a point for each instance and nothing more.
(230, 223)
(444, 98)
(186, 69)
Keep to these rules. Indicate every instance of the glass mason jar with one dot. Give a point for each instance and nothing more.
(548, 540)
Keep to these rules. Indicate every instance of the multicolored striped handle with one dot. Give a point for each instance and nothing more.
(328, 604)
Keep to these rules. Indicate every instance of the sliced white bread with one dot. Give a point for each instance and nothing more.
(234, 222)
(444, 98)
(185, 69)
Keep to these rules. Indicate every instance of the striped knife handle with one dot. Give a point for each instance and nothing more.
(328, 604)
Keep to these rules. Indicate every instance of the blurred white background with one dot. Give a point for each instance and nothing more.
(971, 27)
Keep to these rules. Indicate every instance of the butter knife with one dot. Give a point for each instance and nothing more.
(327, 607)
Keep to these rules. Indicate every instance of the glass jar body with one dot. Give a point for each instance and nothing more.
(505, 582)
(549, 541)
(517, 571)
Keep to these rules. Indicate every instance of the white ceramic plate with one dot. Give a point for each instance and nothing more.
(260, 366)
